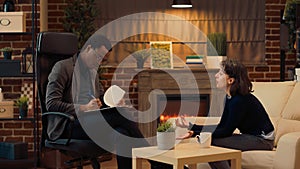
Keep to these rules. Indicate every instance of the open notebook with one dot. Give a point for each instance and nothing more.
(112, 97)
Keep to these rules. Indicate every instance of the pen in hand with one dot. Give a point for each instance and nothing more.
(92, 96)
(98, 101)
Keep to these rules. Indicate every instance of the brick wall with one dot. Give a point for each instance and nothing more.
(22, 130)
(16, 130)
(270, 71)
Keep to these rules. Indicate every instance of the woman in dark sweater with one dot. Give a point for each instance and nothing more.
(242, 111)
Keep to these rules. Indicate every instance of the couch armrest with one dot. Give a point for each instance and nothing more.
(200, 120)
(288, 150)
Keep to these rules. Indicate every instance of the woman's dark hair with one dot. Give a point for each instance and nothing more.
(234, 69)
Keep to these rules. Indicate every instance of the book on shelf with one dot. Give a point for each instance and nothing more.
(194, 59)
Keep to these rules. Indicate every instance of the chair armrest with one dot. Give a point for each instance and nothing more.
(68, 116)
(288, 151)
(70, 120)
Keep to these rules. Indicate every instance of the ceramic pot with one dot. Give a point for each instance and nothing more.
(7, 55)
(165, 140)
(23, 112)
(140, 64)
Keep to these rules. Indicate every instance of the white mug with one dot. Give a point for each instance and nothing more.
(204, 139)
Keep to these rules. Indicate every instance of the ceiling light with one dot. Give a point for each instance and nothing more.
(182, 4)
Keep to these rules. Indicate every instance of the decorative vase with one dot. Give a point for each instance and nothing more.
(23, 112)
(165, 140)
(7, 55)
(140, 64)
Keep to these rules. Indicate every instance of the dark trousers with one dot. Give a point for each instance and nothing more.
(123, 125)
(243, 142)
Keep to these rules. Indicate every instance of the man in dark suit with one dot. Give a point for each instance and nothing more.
(74, 88)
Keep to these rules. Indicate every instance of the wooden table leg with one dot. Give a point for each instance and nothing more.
(180, 165)
(236, 163)
(136, 163)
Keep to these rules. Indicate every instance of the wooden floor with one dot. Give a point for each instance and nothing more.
(112, 164)
(109, 164)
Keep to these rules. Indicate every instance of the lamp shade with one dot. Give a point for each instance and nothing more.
(182, 4)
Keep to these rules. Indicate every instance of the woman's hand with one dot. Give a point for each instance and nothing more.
(181, 122)
(185, 136)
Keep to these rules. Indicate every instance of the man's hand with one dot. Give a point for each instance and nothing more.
(92, 105)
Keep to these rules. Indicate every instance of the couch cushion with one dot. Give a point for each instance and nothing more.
(292, 108)
(290, 121)
(258, 159)
(286, 126)
(274, 96)
(288, 152)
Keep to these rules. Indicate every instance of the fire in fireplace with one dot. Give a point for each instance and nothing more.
(173, 105)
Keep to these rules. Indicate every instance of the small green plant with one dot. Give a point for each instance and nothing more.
(217, 41)
(141, 55)
(166, 127)
(6, 49)
(22, 102)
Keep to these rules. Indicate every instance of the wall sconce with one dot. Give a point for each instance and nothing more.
(182, 4)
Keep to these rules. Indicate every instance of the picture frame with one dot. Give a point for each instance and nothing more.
(27, 62)
(161, 55)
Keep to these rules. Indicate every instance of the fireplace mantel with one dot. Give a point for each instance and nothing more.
(173, 81)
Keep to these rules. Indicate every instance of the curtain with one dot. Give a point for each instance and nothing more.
(132, 24)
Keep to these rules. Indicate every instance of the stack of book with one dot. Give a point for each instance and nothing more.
(194, 59)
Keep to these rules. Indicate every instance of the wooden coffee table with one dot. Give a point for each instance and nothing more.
(186, 153)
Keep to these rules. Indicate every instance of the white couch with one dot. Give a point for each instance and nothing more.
(282, 102)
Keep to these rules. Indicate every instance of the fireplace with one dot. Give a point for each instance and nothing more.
(187, 105)
(159, 91)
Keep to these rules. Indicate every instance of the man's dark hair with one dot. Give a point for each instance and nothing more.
(234, 69)
(97, 41)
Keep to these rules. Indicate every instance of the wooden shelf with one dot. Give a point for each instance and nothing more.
(15, 33)
(31, 162)
(19, 75)
(18, 119)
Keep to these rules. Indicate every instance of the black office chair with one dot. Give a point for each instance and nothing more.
(52, 47)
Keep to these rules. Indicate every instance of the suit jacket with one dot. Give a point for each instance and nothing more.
(59, 95)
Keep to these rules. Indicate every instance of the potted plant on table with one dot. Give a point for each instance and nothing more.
(166, 135)
(7, 52)
(22, 103)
